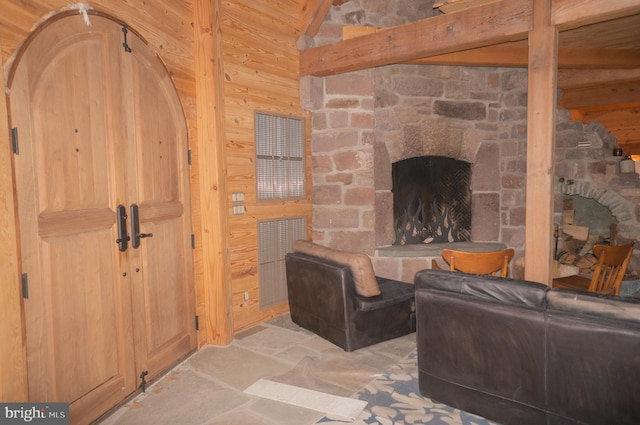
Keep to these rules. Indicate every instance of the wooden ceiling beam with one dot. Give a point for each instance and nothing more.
(447, 39)
(595, 96)
(569, 14)
(499, 22)
(312, 14)
(511, 55)
(571, 78)
(599, 58)
(452, 6)
(506, 56)
(497, 55)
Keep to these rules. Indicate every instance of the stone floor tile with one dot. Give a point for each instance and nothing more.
(320, 344)
(285, 414)
(296, 354)
(334, 374)
(182, 397)
(240, 417)
(236, 367)
(285, 322)
(271, 340)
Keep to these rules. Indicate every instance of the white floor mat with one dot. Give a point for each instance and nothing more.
(333, 405)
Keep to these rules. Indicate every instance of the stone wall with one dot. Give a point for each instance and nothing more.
(585, 166)
(363, 121)
(347, 170)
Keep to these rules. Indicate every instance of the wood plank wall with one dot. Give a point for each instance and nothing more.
(261, 73)
(260, 63)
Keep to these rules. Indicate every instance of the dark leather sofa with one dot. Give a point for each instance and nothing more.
(336, 295)
(519, 353)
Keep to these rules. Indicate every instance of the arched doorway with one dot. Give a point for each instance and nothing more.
(102, 181)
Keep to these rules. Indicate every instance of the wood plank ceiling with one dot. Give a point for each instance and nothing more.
(598, 50)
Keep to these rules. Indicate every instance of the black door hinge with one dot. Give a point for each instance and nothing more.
(197, 323)
(189, 156)
(143, 382)
(125, 44)
(14, 141)
(193, 241)
(25, 286)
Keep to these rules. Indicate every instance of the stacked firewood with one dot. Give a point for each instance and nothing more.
(578, 243)
(578, 252)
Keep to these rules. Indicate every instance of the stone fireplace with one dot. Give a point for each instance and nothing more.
(365, 121)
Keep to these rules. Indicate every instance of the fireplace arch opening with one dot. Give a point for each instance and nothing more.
(431, 200)
(596, 215)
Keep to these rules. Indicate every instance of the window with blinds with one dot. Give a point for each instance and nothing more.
(279, 157)
(275, 239)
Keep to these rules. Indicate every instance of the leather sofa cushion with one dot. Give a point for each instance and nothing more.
(364, 277)
(627, 309)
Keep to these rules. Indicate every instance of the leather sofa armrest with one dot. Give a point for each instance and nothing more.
(580, 302)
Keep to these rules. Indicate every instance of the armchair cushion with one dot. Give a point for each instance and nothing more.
(392, 292)
(364, 277)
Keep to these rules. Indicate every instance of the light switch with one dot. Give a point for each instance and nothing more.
(238, 203)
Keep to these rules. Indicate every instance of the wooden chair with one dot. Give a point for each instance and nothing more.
(608, 274)
(491, 263)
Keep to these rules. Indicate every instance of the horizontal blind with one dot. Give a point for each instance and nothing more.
(280, 172)
(275, 239)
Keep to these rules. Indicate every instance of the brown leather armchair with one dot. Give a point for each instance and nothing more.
(336, 295)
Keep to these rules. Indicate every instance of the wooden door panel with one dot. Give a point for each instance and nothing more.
(166, 315)
(71, 126)
(167, 319)
(161, 145)
(71, 222)
(78, 312)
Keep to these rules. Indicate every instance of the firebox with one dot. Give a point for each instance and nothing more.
(431, 200)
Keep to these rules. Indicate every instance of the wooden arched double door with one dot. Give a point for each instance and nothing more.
(102, 181)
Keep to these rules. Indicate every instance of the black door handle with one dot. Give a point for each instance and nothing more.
(135, 227)
(121, 218)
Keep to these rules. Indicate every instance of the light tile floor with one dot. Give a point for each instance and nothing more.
(207, 388)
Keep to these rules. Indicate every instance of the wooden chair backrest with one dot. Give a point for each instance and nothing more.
(610, 269)
(489, 263)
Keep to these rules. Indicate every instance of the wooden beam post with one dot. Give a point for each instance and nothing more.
(541, 118)
(13, 355)
(214, 292)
